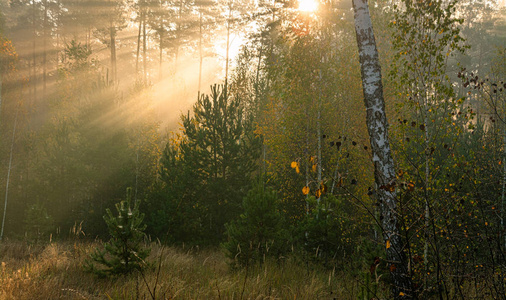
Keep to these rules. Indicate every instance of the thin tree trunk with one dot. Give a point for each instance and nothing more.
(228, 42)
(503, 193)
(160, 71)
(44, 53)
(178, 34)
(319, 133)
(138, 46)
(200, 54)
(112, 33)
(257, 80)
(9, 174)
(306, 160)
(0, 99)
(144, 56)
(427, 187)
(384, 169)
(34, 71)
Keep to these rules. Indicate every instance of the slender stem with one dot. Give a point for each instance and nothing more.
(9, 174)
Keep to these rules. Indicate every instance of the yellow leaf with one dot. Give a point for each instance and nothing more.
(297, 169)
(402, 294)
(305, 190)
(318, 193)
(313, 168)
(294, 164)
(388, 244)
(323, 188)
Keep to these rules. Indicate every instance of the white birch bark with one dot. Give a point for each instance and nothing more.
(384, 170)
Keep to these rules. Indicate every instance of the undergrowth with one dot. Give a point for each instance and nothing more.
(55, 271)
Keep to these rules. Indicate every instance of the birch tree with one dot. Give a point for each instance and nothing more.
(384, 169)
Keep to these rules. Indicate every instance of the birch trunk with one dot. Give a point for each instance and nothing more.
(9, 175)
(384, 170)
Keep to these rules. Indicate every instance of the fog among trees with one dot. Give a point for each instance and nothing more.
(366, 138)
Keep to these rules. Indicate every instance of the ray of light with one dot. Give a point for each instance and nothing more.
(308, 5)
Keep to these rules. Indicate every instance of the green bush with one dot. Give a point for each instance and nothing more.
(38, 223)
(124, 252)
(259, 232)
(326, 233)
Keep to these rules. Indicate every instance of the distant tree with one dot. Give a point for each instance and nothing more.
(124, 253)
(111, 17)
(208, 16)
(160, 17)
(185, 27)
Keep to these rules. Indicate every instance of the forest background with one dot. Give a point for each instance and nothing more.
(274, 160)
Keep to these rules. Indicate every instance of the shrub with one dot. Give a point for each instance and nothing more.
(259, 230)
(124, 252)
(326, 232)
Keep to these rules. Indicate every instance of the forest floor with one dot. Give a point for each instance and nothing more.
(55, 271)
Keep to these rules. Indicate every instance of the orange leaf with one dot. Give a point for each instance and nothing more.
(305, 190)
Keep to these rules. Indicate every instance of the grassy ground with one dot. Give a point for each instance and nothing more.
(55, 271)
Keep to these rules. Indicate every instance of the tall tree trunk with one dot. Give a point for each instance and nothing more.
(0, 99)
(112, 35)
(144, 55)
(503, 193)
(9, 174)
(178, 34)
(138, 46)
(319, 133)
(228, 41)
(200, 53)
(44, 52)
(34, 71)
(160, 71)
(384, 170)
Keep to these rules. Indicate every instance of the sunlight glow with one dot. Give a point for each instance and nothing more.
(308, 5)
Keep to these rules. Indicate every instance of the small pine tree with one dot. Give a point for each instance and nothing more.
(259, 230)
(124, 252)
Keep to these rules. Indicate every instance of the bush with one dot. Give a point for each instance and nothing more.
(124, 252)
(38, 223)
(326, 232)
(259, 231)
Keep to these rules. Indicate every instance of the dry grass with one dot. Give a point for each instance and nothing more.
(55, 271)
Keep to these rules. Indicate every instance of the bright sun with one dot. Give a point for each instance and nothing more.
(308, 5)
